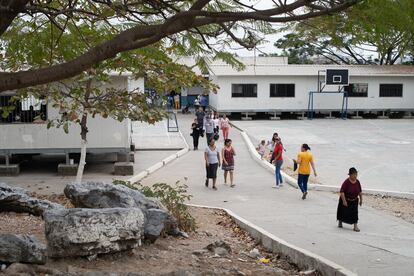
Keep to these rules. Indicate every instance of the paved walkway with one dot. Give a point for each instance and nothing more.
(381, 150)
(156, 136)
(385, 245)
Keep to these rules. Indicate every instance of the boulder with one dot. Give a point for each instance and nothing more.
(85, 232)
(155, 223)
(105, 195)
(21, 249)
(14, 199)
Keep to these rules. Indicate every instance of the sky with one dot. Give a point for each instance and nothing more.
(266, 47)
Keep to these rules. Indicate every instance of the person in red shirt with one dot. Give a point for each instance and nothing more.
(350, 196)
(278, 161)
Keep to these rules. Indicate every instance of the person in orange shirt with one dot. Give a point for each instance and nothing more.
(305, 161)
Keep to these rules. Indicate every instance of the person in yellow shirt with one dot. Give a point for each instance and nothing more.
(305, 161)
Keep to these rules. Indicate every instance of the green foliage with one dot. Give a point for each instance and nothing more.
(173, 198)
(371, 32)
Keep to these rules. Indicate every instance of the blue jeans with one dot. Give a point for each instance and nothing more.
(278, 165)
(303, 182)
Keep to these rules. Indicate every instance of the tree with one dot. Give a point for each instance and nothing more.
(182, 26)
(371, 32)
(91, 94)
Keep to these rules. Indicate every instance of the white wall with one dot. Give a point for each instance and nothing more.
(303, 84)
(213, 98)
(103, 133)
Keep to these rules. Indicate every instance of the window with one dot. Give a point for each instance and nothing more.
(391, 90)
(357, 89)
(244, 90)
(282, 90)
(26, 110)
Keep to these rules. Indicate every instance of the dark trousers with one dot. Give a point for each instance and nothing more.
(303, 182)
(196, 137)
(209, 136)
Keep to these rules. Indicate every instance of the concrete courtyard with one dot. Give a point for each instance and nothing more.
(381, 150)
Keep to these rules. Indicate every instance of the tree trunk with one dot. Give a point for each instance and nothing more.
(82, 162)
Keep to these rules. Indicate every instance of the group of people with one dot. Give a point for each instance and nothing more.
(350, 192)
(209, 124)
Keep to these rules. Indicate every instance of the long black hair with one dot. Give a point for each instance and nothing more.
(273, 137)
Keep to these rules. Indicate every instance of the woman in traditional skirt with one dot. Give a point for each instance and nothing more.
(350, 196)
(212, 158)
(228, 154)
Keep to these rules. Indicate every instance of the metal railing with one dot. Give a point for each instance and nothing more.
(25, 110)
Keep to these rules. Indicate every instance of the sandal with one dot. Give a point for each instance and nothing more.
(232, 185)
(356, 229)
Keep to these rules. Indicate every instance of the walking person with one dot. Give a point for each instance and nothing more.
(200, 116)
(195, 133)
(305, 161)
(203, 102)
(212, 158)
(208, 127)
(225, 126)
(261, 148)
(350, 196)
(170, 101)
(216, 123)
(272, 144)
(177, 101)
(278, 161)
(228, 154)
(196, 103)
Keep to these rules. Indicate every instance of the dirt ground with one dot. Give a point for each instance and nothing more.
(168, 255)
(399, 207)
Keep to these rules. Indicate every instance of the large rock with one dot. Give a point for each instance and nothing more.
(15, 199)
(105, 195)
(155, 223)
(21, 249)
(83, 232)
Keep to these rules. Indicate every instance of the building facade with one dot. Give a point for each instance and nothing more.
(271, 85)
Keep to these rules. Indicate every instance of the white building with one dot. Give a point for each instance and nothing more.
(21, 133)
(271, 85)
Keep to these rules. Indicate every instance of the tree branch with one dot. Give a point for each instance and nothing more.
(144, 35)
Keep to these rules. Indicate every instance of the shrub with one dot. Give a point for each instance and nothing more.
(173, 198)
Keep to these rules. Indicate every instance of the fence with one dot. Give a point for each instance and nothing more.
(25, 110)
